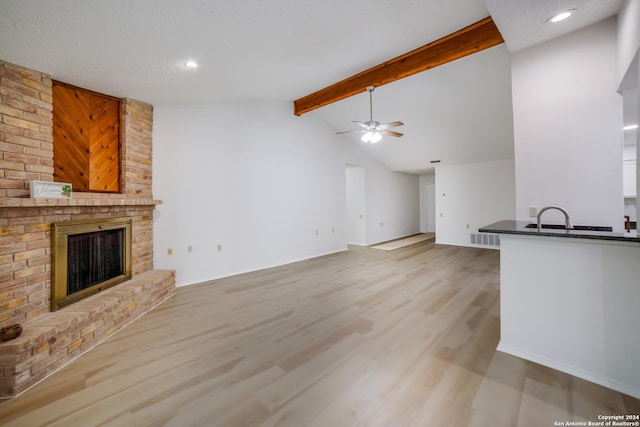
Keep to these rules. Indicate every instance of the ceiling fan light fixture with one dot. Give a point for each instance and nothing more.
(371, 136)
(373, 130)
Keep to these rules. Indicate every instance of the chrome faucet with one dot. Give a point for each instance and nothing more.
(567, 222)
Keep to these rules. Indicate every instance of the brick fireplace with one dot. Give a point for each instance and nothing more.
(53, 339)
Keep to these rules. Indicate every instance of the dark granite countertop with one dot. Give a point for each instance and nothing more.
(508, 226)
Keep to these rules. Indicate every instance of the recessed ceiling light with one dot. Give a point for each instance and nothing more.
(191, 64)
(561, 16)
(630, 127)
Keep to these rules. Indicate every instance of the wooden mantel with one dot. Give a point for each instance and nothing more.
(112, 200)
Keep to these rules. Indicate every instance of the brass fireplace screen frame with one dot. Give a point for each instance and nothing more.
(60, 231)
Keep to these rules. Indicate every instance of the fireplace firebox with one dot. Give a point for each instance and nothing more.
(88, 257)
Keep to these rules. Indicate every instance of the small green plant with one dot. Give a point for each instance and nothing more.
(66, 190)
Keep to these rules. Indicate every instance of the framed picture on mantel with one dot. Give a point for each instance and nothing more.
(49, 190)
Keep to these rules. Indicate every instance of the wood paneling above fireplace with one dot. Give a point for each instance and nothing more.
(86, 138)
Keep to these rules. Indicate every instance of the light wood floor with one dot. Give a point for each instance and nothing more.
(360, 338)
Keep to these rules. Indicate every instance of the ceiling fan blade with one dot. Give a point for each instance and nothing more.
(390, 125)
(361, 124)
(351, 131)
(390, 133)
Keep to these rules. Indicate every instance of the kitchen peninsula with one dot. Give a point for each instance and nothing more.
(570, 300)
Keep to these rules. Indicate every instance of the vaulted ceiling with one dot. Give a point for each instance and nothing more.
(282, 50)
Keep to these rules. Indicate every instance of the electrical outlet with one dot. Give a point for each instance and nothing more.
(533, 211)
(219, 247)
(189, 249)
(316, 232)
(467, 225)
(169, 251)
(333, 230)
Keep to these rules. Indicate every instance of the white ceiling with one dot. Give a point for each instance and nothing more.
(286, 49)
(523, 23)
(456, 113)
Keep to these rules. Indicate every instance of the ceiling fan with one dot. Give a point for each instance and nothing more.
(373, 130)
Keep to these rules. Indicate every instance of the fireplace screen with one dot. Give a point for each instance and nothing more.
(88, 257)
(93, 258)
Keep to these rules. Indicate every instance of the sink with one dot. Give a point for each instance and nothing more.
(575, 227)
(552, 226)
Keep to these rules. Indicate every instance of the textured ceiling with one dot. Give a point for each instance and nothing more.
(246, 49)
(286, 49)
(523, 23)
(459, 112)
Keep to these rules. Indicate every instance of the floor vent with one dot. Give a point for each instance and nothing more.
(484, 239)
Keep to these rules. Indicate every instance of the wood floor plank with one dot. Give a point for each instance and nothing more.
(305, 407)
(203, 410)
(286, 387)
(543, 402)
(360, 338)
(500, 392)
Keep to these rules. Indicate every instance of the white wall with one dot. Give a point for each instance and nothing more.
(637, 132)
(629, 74)
(392, 204)
(628, 35)
(259, 181)
(252, 178)
(567, 126)
(392, 198)
(474, 194)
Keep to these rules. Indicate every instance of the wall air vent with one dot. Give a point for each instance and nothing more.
(484, 239)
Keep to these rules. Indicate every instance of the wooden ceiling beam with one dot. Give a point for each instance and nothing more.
(474, 38)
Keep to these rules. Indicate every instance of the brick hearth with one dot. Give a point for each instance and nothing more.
(51, 340)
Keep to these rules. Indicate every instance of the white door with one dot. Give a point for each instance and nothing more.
(356, 230)
(430, 209)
